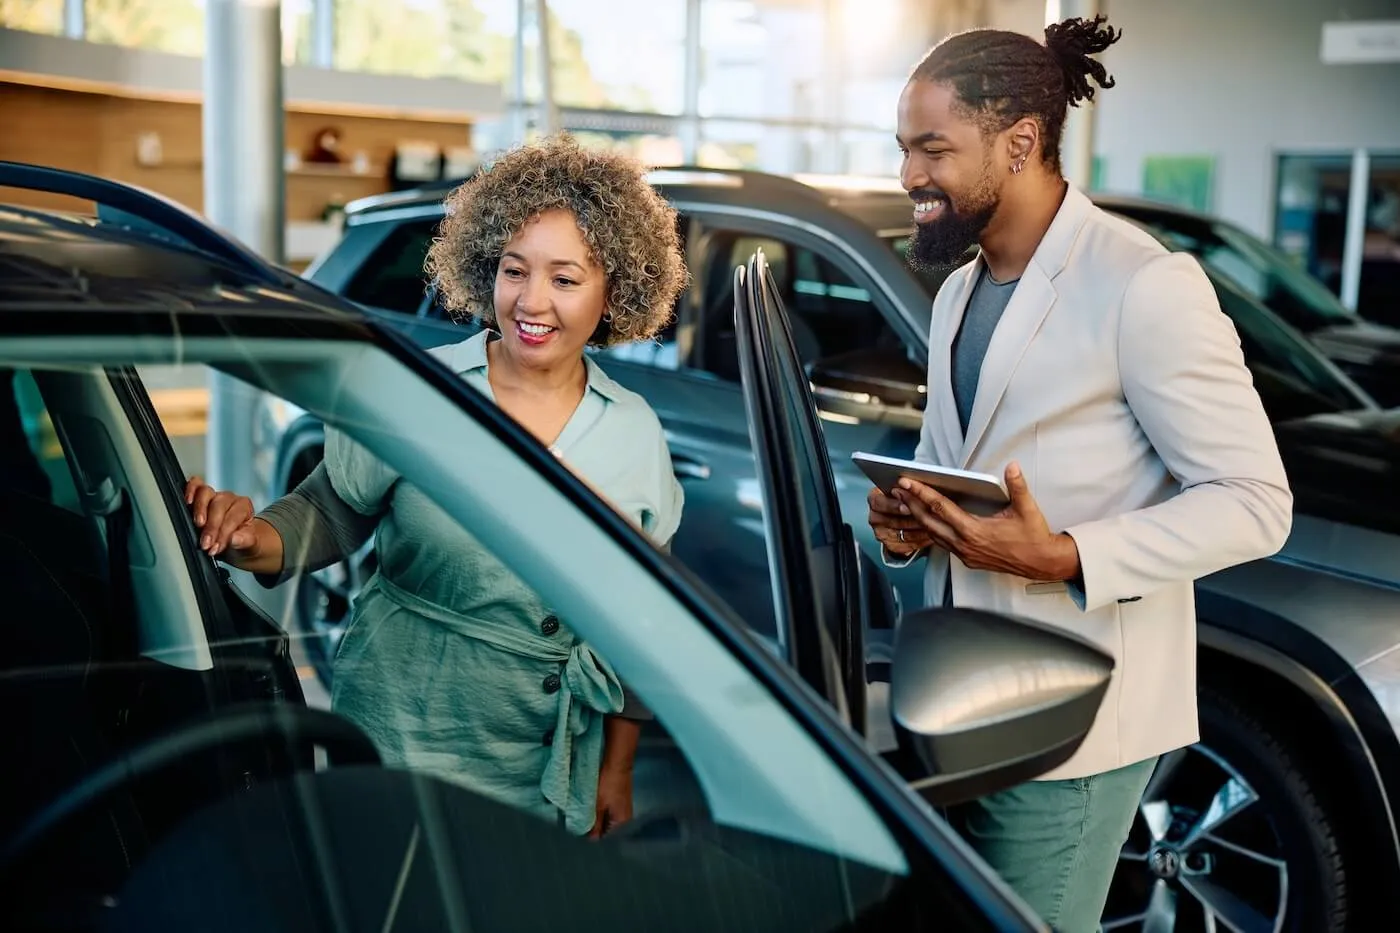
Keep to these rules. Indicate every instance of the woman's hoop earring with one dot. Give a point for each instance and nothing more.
(607, 317)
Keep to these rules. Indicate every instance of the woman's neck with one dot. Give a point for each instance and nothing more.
(506, 374)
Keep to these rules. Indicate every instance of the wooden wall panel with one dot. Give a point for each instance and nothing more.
(98, 132)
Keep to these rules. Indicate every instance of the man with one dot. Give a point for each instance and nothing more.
(1095, 370)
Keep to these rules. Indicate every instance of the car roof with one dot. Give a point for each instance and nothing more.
(52, 260)
(803, 196)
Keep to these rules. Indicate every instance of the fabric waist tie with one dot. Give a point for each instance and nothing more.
(590, 690)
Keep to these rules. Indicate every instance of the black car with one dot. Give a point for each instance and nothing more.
(1309, 767)
(159, 767)
(1366, 350)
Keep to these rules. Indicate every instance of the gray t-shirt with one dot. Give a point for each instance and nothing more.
(984, 309)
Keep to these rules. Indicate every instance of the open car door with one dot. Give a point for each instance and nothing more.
(824, 589)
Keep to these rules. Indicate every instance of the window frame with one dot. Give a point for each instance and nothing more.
(714, 221)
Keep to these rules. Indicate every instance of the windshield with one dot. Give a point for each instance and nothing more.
(1261, 271)
(1294, 379)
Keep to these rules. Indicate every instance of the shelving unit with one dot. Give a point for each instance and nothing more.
(97, 127)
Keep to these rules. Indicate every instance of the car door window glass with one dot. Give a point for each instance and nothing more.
(31, 453)
(829, 312)
(392, 277)
(758, 836)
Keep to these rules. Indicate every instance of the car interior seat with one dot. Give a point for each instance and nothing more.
(57, 620)
(721, 352)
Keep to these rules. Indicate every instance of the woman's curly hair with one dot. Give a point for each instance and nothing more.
(630, 230)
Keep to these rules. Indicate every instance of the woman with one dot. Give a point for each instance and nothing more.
(451, 664)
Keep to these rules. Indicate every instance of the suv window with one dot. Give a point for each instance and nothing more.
(662, 351)
(393, 277)
(1293, 379)
(31, 457)
(829, 312)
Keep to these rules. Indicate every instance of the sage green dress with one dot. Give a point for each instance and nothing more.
(451, 663)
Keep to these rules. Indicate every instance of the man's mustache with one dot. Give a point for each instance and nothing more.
(928, 194)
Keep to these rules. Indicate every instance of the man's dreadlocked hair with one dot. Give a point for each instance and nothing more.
(1001, 77)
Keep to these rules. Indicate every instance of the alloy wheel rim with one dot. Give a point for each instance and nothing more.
(328, 594)
(1203, 855)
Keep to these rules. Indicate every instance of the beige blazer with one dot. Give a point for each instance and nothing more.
(1118, 384)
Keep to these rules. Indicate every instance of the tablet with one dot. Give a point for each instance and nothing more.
(976, 493)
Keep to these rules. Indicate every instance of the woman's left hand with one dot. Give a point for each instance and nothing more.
(614, 800)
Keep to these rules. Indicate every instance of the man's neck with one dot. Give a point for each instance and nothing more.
(1013, 236)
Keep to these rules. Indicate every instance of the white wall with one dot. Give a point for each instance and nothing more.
(1240, 80)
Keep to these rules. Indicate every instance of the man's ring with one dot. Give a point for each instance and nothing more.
(901, 536)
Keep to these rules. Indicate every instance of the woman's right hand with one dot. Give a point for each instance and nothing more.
(224, 521)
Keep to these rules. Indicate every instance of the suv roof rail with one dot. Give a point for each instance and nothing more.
(138, 209)
(729, 177)
(702, 175)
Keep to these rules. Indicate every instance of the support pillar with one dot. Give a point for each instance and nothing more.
(244, 191)
(1077, 143)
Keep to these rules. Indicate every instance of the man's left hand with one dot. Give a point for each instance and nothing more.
(1017, 540)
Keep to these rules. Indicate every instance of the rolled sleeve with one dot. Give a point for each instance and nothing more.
(359, 478)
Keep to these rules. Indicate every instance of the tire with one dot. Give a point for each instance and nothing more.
(1275, 857)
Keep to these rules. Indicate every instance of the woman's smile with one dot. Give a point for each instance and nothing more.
(534, 335)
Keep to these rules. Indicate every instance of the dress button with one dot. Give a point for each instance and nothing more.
(550, 625)
(551, 683)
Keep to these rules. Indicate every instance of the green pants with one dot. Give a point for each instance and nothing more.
(1056, 843)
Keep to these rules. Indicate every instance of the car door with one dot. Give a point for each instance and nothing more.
(822, 582)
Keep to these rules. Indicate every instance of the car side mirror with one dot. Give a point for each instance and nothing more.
(987, 701)
(879, 385)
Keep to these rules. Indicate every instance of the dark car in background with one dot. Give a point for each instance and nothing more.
(1281, 816)
(1366, 350)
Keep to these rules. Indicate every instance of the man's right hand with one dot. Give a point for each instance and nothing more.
(898, 531)
(224, 520)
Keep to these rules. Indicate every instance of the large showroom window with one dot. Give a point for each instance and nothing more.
(159, 25)
(622, 55)
(469, 39)
(32, 15)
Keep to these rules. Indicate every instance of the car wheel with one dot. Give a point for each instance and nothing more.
(322, 606)
(1231, 836)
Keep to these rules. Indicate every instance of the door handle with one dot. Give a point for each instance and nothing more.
(687, 467)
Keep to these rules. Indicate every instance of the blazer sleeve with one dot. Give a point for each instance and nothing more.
(1185, 379)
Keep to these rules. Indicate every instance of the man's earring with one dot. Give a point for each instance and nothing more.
(1016, 168)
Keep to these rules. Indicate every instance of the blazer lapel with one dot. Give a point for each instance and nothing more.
(1030, 303)
(947, 432)
(1020, 322)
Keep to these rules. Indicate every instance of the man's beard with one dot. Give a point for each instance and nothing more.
(941, 243)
